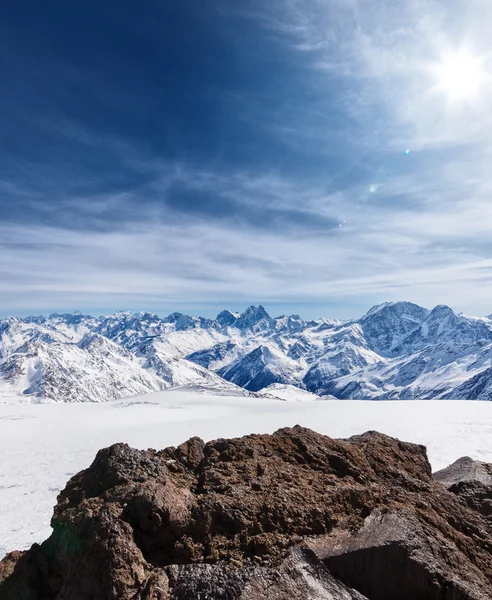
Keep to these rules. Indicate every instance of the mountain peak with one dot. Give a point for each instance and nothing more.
(256, 310)
(74, 318)
(122, 314)
(251, 316)
(227, 318)
(92, 340)
(173, 317)
(442, 310)
(397, 308)
(386, 326)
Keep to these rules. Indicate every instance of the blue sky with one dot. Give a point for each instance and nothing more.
(196, 155)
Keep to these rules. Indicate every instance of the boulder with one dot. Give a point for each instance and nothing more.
(293, 515)
(465, 469)
(471, 480)
(390, 557)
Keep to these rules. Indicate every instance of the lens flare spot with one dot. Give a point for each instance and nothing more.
(460, 76)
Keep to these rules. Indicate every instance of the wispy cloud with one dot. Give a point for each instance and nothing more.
(383, 250)
(332, 211)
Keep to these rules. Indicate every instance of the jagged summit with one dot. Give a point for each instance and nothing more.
(252, 316)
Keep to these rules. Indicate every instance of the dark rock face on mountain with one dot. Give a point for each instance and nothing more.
(210, 356)
(226, 318)
(260, 368)
(289, 516)
(387, 325)
(479, 386)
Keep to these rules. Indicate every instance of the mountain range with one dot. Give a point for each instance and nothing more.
(398, 350)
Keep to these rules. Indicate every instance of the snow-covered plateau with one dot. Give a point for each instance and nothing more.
(42, 445)
(397, 351)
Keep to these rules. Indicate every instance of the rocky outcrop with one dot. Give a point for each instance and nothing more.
(471, 480)
(289, 516)
(465, 469)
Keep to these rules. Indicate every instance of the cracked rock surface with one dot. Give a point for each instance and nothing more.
(290, 516)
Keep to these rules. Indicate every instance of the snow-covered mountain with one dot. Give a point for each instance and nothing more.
(261, 367)
(95, 369)
(398, 350)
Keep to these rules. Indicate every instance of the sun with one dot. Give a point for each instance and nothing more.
(460, 76)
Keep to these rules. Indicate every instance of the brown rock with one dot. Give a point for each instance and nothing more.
(262, 516)
(8, 563)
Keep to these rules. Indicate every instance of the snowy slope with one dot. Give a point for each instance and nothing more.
(397, 350)
(287, 393)
(175, 371)
(94, 370)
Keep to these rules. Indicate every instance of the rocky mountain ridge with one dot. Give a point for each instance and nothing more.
(397, 350)
(284, 516)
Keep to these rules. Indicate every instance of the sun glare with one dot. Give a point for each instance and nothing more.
(460, 76)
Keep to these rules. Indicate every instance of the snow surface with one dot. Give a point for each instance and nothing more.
(42, 445)
(286, 392)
